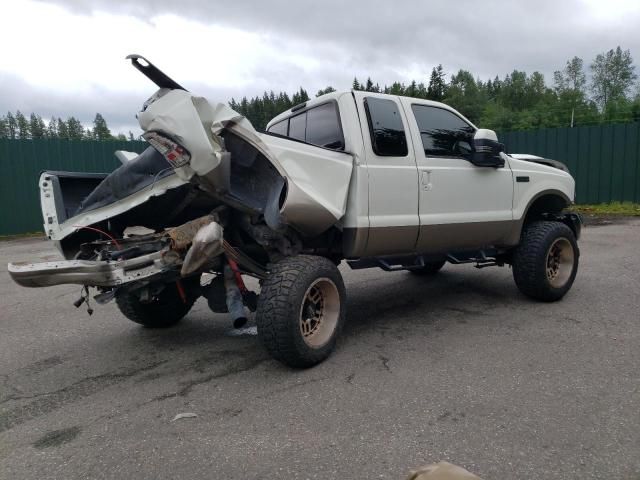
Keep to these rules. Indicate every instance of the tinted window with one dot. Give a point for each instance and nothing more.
(323, 126)
(318, 126)
(386, 128)
(443, 133)
(297, 126)
(280, 128)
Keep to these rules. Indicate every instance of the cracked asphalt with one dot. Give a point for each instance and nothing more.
(458, 367)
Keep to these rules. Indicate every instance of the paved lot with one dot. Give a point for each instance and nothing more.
(460, 367)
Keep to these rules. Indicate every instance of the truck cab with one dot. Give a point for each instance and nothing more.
(415, 187)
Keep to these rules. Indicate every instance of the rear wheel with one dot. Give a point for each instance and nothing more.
(164, 308)
(301, 309)
(546, 261)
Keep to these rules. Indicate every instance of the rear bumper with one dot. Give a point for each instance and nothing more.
(96, 274)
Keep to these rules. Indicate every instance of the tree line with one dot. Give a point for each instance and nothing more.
(604, 92)
(18, 125)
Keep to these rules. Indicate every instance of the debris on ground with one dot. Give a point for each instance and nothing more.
(184, 415)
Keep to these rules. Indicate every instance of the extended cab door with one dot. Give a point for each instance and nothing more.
(392, 173)
(461, 205)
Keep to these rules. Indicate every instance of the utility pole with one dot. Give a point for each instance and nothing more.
(572, 111)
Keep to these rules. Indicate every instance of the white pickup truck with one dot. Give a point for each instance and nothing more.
(377, 180)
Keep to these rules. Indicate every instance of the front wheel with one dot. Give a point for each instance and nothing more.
(301, 309)
(546, 261)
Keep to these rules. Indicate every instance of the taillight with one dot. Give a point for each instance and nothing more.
(173, 152)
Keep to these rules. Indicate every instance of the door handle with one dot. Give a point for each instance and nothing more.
(426, 180)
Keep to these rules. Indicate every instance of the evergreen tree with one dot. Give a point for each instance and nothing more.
(324, 91)
(4, 129)
(23, 126)
(356, 85)
(466, 95)
(412, 89)
(299, 97)
(100, 129)
(62, 129)
(369, 85)
(37, 126)
(52, 128)
(437, 85)
(75, 130)
(12, 126)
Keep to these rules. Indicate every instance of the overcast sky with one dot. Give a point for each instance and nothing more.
(66, 57)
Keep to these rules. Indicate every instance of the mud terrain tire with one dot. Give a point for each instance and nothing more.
(301, 310)
(546, 261)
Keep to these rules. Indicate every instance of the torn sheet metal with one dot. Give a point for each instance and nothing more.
(57, 231)
(317, 179)
(182, 236)
(207, 244)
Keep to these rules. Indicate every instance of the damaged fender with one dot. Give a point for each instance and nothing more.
(315, 179)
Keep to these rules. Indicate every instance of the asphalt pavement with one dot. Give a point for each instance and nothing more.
(459, 367)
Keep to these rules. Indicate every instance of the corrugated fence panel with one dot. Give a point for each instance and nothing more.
(604, 159)
(21, 162)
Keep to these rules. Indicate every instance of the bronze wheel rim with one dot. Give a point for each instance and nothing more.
(319, 312)
(559, 264)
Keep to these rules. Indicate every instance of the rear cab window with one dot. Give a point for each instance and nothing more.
(319, 125)
(388, 137)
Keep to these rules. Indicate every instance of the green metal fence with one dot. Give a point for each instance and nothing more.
(604, 159)
(21, 162)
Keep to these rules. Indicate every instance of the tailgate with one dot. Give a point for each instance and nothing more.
(61, 194)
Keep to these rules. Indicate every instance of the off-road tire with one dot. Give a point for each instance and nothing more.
(430, 268)
(531, 257)
(284, 298)
(165, 310)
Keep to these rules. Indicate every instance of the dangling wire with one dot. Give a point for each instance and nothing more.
(111, 237)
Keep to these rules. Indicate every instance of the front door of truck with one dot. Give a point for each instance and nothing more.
(461, 205)
(392, 174)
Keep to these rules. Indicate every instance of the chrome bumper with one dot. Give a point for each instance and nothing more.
(91, 273)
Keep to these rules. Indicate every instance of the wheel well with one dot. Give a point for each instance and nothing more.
(548, 203)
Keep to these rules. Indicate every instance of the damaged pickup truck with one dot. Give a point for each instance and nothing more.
(377, 180)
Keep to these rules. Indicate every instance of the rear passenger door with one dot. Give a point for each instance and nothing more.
(392, 173)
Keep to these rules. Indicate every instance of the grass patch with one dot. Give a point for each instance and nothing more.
(21, 235)
(627, 209)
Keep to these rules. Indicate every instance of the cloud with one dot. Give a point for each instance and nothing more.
(119, 108)
(72, 63)
(488, 38)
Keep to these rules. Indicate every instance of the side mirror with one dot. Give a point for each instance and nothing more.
(486, 149)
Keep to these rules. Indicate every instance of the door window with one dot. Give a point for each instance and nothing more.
(443, 133)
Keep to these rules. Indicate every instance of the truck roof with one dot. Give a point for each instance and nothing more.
(337, 95)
